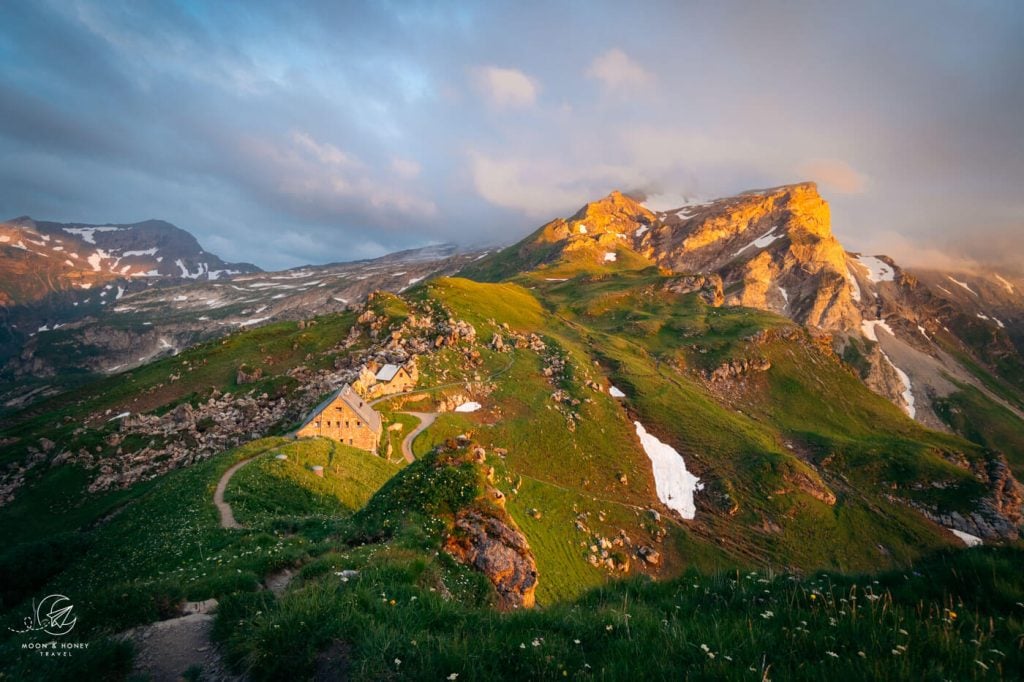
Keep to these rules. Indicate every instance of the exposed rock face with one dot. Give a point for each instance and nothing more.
(735, 369)
(496, 548)
(709, 286)
(998, 515)
(774, 250)
(808, 482)
(248, 375)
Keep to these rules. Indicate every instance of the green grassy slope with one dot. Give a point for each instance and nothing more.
(804, 469)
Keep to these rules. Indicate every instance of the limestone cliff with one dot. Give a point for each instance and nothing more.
(773, 248)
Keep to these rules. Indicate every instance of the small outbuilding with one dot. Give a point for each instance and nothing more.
(394, 379)
(345, 417)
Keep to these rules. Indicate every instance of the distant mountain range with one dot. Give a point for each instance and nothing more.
(38, 258)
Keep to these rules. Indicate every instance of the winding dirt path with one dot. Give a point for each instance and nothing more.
(227, 517)
(426, 419)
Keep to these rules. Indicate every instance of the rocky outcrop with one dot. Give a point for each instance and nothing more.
(496, 547)
(807, 481)
(998, 515)
(709, 286)
(735, 369)
(248, 375)
(773, 248)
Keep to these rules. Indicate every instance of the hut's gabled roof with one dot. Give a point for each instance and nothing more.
(387, 372)
(362, 408)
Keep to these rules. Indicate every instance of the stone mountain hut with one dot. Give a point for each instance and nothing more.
(347, 418)
(394, 379)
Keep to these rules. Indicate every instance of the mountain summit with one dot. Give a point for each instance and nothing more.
(914, 337)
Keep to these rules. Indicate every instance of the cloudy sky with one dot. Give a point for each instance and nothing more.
(343, 130)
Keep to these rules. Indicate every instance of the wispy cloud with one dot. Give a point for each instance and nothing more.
(506, 88)
(834, 174)
(406, 168)
(618, 72)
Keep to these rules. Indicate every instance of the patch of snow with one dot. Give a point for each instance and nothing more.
(785, 294)
(95, 259)
(615, 392)
(675, 485)
(89, 233)
(144, 252)
(762, 242)
(983, 316)
(610, 256)
(924, 332)
(123, 414)
(640, 231)
(414, 280)
(556, 279)
(164, 343)
(4, 238)
(20, 245)
(182, 297)
(867, 328)
(255, 320)
(663, 203)
(57, 248)
(854, 286)
(151, 273)
(1007, 285)
(878, 269)
(44, 328)
(468, 407)
(908, 392)
(201, 270)
(967, 538)
(340, 300)
(69, 262)
(583, 229)
(963, 284)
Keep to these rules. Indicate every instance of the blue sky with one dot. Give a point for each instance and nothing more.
(283, 135)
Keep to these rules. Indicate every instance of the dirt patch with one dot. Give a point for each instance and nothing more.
(165, 650)
(332, 663)
(278, 582)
